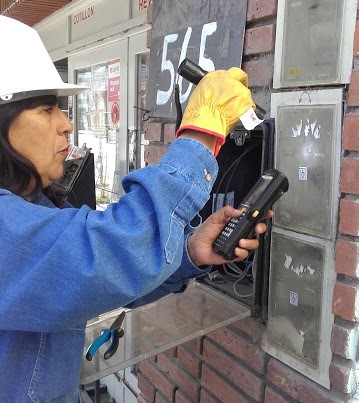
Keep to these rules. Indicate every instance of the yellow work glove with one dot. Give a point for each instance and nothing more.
(216, 104)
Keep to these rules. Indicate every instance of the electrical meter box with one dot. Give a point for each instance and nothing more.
(242, 159)
(314, 42)
(300, 287)
(296, 286)
(302, 273)
(308, 152)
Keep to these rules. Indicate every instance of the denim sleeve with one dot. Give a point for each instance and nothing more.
(60, 268)
(178, 281)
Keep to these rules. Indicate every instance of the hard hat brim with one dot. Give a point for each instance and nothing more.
(71, 89)
(65, 90)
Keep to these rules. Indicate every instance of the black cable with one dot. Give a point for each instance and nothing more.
(235, 168)
(178, 107)
(234, 164)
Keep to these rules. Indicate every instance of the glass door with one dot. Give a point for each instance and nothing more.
(100, 115)
(97, 123)
(138, 76)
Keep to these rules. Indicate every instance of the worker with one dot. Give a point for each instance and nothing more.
(61, 266)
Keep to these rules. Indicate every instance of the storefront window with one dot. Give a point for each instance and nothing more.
(97, 121)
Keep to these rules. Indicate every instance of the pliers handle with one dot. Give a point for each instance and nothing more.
(114, 333)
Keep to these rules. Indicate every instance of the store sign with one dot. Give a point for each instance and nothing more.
(210, 33)
(139, 7)
(83, 15)
(96, 17)
(113, 92)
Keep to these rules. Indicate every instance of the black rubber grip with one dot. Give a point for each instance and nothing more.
(191, 71)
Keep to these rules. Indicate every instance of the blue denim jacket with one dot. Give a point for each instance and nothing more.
(62, 267)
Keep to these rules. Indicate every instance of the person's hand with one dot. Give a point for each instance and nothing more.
(216, 104)
(200, 242)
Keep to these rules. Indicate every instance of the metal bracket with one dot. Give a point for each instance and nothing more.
(239, 135)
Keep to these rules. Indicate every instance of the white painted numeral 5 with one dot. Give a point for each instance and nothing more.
(164, 96)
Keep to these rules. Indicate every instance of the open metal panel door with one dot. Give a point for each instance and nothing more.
(159, 326)
(242, 159)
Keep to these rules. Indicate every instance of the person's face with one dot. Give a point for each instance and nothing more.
(40, 135)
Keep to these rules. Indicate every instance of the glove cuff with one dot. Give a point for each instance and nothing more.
(220, 139)
(206, 119)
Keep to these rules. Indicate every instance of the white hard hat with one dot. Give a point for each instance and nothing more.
(26, 69)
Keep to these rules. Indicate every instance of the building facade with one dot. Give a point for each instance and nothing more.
(232, 364)
(302, 61)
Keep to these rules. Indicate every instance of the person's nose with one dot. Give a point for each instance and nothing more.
(65, 126)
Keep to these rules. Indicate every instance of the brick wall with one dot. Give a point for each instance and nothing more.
(228, 365)
(345, 334)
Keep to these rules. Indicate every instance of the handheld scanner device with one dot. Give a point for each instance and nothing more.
(267, 190)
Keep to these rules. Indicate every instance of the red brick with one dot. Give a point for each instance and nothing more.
(157, 378)
(342, 376)
(260, 71)
(251, 327)
(172, 352)
(259, 40)
(195, 345)
(160, 398)
(148, 39)
(154, 153)
(153, 358)
(353, 99)
(298, 386)
(347, 258)
(345, 300)
(345, 340)
(351, 133)
(190, 360)
(349, 176)
(169, 132)
(220, 388)
(231, 369)
(206, 397)
(271, 396)
(149, 17)
(356, 40)
(349, 217)
(153, 131)
(184, 380)
(146, 388)
(142, 399)
(181, 397)
(258, 9)
(241, 348)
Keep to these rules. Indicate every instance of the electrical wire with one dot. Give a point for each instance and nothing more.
(246, 276)
(233, 165)
(231, 268)
(233, 271)
(238, 294)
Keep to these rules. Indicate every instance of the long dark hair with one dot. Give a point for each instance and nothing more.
(16, 171)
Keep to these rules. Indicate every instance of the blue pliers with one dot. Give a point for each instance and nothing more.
(114, 333)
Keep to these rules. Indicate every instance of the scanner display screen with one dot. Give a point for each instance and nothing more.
(259, 189)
